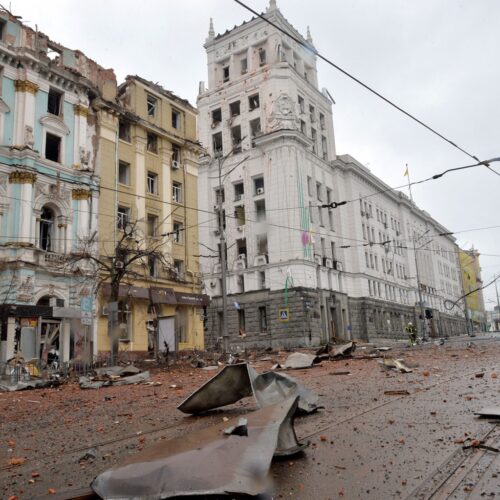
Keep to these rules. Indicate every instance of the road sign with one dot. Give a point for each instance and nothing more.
(86, 310)
(284, 314)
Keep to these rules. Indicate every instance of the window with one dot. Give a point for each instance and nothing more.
(239, 191)
(244, 65)
(309, 186)
(178, 229)
(262, 244)
(124, 172)
(319, 191)
(152, 183)
(236, 138)
(322, 124)
(124, 131)
(178, 267)
(53, 147)
(217, 142)
(241, 321)
(239, 213)
(123, 216)
(176, 119)
(54, 102)
(253, 102)
(152, 267)
(324, 149)
(152, 142)
(314, 140)
(260, 209)
(152, 103)
(255, 129)
(225, 74)
(262, 57)
(312, 114)
(262, 319)
(234, 108)
(300, 100)
(124, 320)
(152, 225)
(219, 192)
(176, 153)
(303, 128)
(367, 260)
(46, 229)
(216, 117)
(177, 192)
(258, 185)
(3, 25)
(332, 245)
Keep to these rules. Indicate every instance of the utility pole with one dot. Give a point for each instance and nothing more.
(498, 307)
(225, 335)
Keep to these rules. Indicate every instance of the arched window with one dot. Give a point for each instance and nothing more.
(46, 229)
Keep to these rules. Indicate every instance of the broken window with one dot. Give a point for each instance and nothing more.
(123, 217)
(219, 192)
(152, 183)
(303, 128)
(253, 102)
(258, 185)
(152, 267)
(260, 209)
(223, 219)
(3, 25)
(300, 100)
(176, 119)
(262, 244)
(216, 117)
(152, 142)
(239, 213)
(217, 143)
(241, 248)
(234, 108)
(178, 228)
(262, 309)
(53, 147)
(152, 103)
(152, 225)
(46, 229)
(124, 172)
(239, 191)
(262, 57)
(176, 153)
(225, 74)
(54, 103)
(244, 65)
(312, 114)
(177, 192)
(241, 321)
(324, 149)
(255, 128)
(236, 138)
(124, 131)
(124, 320)
(179, 268)
(322, 121)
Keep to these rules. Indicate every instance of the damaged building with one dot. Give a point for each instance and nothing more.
(300, 269)
(49, 194)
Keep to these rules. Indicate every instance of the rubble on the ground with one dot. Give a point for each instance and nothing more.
(236, 382)
(114, 375)
(298, 360)
(395, 364)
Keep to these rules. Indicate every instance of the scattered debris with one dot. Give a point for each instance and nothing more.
(236, 382)
(240, 429)
(343, 351)
(28, 384)
(298, 360)
(114, 375)
(479, 375)
(395, 364)
(340, 373)
(397, 393)
(383, 349)
(89, 455)
(476, 443)
(224, 464)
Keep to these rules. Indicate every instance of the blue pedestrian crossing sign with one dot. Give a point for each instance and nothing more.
(284, 314)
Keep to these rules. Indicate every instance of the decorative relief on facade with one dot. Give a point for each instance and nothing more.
(29, 139)
(55, 124)
(84, 158)
(20, 177)
(26, 86)
(80, 194)
(282, 114)
(26, 290)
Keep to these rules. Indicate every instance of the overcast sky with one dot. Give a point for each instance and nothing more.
(439, 59)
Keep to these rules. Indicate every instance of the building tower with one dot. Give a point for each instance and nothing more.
(267, 126)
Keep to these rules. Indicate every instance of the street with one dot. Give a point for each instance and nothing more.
(363, 443)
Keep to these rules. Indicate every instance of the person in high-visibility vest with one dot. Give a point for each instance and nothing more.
(412, 333)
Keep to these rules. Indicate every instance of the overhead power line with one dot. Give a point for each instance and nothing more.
(310, 48)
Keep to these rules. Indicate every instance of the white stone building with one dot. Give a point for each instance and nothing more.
(264, 120)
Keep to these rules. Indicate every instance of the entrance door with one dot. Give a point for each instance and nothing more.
(166, 334)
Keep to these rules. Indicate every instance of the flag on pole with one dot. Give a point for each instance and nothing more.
(406, 171)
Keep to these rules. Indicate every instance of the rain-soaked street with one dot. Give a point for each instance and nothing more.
(380, 434)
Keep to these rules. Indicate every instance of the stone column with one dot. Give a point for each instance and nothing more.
(25, 180)
(7, 350)
(65, 339)
(82, 196)
(140, 177)
(24, 118)
(80, 146)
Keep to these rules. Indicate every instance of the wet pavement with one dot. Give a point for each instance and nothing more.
(363, 444)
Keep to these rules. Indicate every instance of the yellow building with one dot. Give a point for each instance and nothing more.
(471, 279)
(148, 166)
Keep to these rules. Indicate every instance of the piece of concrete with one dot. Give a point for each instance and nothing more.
(298, 360)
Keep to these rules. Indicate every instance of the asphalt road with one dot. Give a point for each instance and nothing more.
(363, 443)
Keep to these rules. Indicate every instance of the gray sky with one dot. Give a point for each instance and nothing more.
(439, 59)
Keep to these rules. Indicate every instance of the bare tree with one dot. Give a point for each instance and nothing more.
(132, 251)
